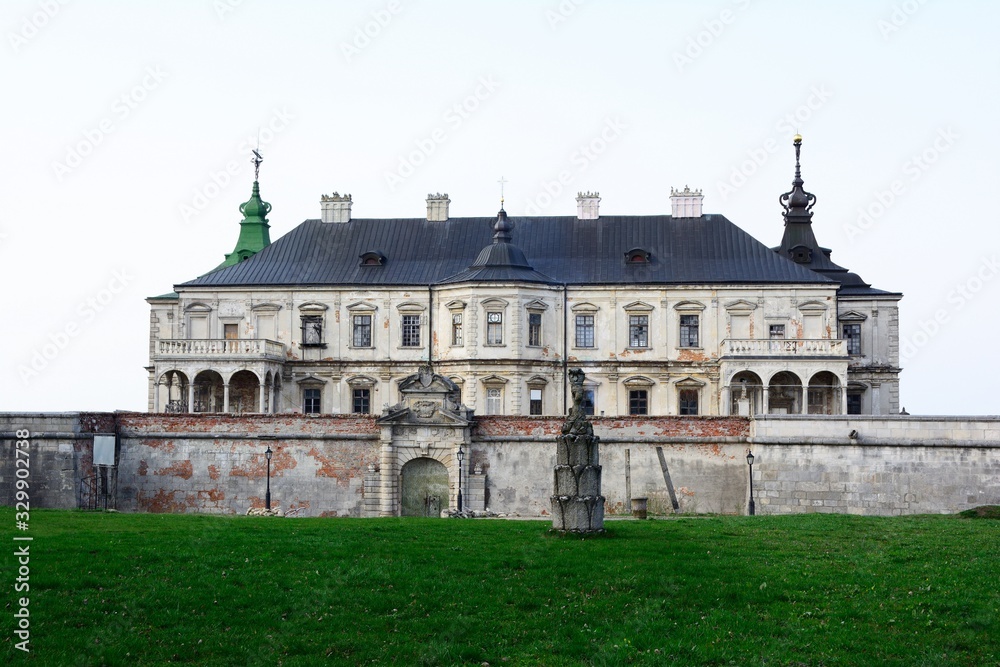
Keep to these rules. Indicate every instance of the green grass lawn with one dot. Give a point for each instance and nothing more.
(144, 589)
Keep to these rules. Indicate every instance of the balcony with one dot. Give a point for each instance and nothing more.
(249, 349)
(784, 347)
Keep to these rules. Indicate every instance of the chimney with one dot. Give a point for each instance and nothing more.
(685, 203)
(335, 208)
(437, 207)
(588, 205)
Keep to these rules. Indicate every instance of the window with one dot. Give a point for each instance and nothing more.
(638, 331)
(852, 334)
(588, 402)
(689, 401)
(362, 331)
(585, 331)
(311, 401)
(638, 402)
(776, 331)
(854, 403)
(689, 331)
(456, 329)
(411, 331)
(312, 330)
(494, 401)
(231, 331)
(362, 401)
(534, 329)
(535, 401)
(494, 329)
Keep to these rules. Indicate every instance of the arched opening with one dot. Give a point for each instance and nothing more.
(244, 396)
(209, 392)
(173, 396)
(824, 394)
(746, 394)
(423, 488)
(784, 394)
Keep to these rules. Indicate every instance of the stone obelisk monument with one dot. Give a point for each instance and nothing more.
(577, 503)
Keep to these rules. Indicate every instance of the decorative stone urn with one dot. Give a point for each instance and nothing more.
(577, 503)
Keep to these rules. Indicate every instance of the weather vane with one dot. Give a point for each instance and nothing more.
(501, 182)
(257, 158)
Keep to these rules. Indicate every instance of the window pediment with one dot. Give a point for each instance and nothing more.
(740, 305)
(411, 307)
(812, 307)
(852, 316)
(313, 307)
(495, 303)
(457, 304)
(266, 307)
(198, 307)
(638, 381)
(638, 307)
(494, 380)
(689, 306)
(584, 307)
(537, 304)
(363, 306)
(310, 380)
(689, 383)
(361, 381)
(537, 381)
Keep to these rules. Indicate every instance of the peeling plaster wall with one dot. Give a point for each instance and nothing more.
(216, 463)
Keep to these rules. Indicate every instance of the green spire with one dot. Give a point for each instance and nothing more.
(254, 231)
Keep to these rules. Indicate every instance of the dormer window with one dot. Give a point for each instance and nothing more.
(637, 256)
(800, 254)
(372, 259)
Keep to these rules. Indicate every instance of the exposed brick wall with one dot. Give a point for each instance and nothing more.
(668, 427)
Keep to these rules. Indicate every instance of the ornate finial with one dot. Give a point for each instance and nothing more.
(256, 159)
(797, 202)
(501, 182)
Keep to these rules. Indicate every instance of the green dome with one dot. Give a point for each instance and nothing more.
(255, 209)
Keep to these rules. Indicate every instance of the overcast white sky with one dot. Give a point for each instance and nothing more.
(121, 120)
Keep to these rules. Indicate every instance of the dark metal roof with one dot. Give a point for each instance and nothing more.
(564, 249)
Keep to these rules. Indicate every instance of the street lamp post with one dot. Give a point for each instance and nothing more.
(461, 456)
(267, 496)
(750, 463)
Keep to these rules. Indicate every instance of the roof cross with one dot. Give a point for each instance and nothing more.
(501, 182)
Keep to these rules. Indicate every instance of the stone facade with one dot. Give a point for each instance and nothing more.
(333, 465)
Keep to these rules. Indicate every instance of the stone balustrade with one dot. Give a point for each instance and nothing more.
(784, 347)
(218, 347)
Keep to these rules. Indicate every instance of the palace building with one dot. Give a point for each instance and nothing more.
(680, 314)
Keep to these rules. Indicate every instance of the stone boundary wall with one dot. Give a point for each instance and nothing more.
(60, 455)
(875, 465)
(215, 463)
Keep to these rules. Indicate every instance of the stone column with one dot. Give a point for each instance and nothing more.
(270, 391)
(388, 475)
(261, 389)
(191, 396)
(724, 401)
(225, 397)
(843, 399)
(804, 408)
(765, 393)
